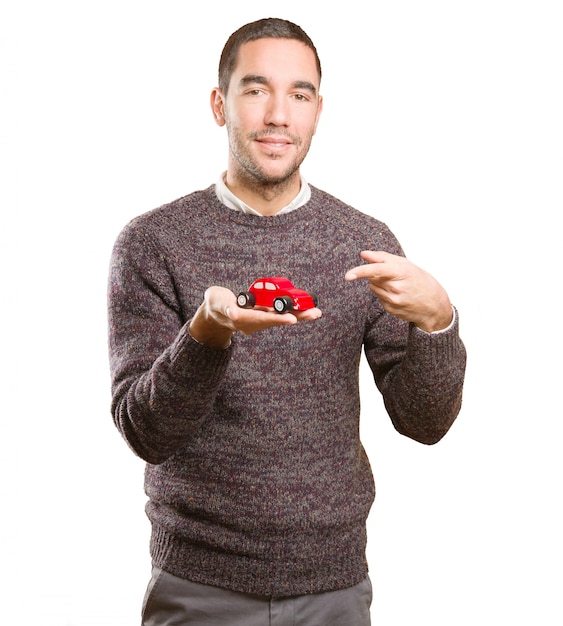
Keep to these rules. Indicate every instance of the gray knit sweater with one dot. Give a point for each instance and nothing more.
(256, 477)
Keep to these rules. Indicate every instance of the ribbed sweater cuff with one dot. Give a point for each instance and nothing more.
(446, 343)
(188, 355)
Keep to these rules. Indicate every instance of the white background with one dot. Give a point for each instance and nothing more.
(442, 118)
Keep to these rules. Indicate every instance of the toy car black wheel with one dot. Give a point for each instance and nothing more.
(283, 304)
(246, 300)
(315, 299)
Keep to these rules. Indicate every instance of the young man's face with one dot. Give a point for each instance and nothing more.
(271, 110)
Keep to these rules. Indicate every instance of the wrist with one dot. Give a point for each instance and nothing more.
(439, 322)
(208, 331)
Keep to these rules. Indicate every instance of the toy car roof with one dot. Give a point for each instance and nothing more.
(280, 281)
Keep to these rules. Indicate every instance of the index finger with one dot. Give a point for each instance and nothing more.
(369, 269)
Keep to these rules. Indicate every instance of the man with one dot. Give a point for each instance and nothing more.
(258, 485)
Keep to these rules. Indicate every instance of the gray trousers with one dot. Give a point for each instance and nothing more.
(173, 601)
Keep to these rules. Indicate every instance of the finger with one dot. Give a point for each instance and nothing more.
(309, 314)
(252, 320)
(376, 256)
(366, 270)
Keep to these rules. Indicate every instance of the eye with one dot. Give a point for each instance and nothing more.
(301, 97)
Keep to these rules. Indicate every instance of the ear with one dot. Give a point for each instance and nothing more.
(218, 106)
(319, 111)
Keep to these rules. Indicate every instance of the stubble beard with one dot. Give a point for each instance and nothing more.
(252, 175)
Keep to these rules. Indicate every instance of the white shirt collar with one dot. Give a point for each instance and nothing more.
(228, 198)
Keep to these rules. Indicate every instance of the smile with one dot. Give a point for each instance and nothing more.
(274, 141)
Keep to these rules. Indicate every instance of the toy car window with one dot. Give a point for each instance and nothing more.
(270, 286)
(259, 285)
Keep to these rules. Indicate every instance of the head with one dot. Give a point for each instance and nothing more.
(273, 28)
(268, 98)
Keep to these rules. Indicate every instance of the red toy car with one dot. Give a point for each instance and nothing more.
(277, 292)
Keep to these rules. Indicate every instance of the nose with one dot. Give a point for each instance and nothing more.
(277, 111)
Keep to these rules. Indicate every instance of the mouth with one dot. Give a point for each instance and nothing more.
(274, 145)
(274, 141)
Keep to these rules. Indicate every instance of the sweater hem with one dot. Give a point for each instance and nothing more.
(262, 576)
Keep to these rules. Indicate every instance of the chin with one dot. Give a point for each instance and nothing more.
(276, 179)
(278, 175)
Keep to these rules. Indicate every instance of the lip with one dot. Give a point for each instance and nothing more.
(274, 141)
(274, 144)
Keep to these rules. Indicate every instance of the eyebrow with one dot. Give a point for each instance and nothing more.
(253, 79)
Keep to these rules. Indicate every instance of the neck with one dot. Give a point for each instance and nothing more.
(266, 198)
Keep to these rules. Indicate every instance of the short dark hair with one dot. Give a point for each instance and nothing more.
(270, 27)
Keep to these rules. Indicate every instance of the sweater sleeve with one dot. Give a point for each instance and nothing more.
(420, 376)
(163, 382)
